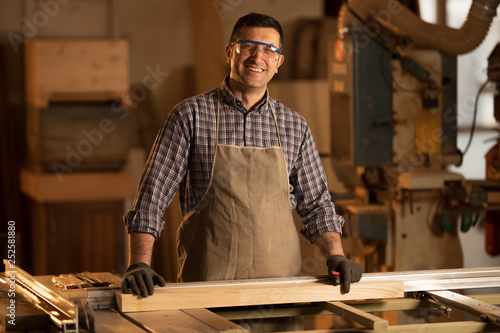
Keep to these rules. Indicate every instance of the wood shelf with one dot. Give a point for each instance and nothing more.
(76, 70)
(89, 186)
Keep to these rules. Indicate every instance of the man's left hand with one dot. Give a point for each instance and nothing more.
(343, 271)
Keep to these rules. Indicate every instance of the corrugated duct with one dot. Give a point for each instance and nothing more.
(401, 21)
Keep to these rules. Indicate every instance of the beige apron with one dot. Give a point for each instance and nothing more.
(243, 227)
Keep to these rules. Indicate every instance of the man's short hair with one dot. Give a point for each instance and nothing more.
(256, 20)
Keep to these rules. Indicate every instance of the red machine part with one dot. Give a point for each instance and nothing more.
(492, 218)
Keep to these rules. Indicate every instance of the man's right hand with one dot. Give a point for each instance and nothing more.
(348, 271)
(140, 280)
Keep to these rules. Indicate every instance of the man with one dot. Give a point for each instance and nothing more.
(242, 162)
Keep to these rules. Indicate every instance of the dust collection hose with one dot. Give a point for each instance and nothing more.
(401, 21)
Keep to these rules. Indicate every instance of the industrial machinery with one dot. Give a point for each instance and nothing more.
(393, 85)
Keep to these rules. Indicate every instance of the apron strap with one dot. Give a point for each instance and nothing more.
(275, 121)
(217, 126)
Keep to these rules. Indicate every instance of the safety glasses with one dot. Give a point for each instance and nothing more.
(249, 48)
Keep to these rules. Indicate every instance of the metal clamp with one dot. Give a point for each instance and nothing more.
(63, 313)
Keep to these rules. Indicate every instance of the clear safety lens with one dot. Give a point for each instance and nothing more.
(249, 49)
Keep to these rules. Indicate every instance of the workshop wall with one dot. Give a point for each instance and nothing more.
(166, 37)
(167, 42)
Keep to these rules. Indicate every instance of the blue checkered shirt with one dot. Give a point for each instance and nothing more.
(182, 155)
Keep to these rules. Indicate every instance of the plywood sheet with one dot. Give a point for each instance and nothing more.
(245, 292)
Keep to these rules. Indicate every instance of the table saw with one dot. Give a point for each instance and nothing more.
(93, 302)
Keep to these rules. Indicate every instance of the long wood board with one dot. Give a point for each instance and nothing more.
(247, 292)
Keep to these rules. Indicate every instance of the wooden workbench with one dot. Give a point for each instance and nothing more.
(210, 306)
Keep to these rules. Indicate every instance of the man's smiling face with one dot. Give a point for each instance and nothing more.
(254, 72)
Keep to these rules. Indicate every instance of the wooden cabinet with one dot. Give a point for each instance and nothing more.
(74, 237)
(79, 133)
(76, 96)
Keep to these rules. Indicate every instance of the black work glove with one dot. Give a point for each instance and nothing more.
(140, 280)
(349, 271)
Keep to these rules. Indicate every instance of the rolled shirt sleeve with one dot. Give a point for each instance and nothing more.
(313, 200)
(165, 168)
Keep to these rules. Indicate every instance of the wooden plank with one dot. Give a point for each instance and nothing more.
(92, 186)
(76, 70)
(362, 208)
(211, 319)
(387, 305)
(111, 322)
(468, 304)
(453, 327)
(245, 292)
(427, 179)
(351, 313)
(171, 321)
(446, 327)
(274, 311)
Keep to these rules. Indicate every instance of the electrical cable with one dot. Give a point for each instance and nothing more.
(391, 50)
(396, 54)
(473, 125)
(376, 37)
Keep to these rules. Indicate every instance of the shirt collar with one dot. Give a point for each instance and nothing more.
(231, 100)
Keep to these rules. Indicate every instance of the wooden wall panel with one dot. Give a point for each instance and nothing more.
(77, 237)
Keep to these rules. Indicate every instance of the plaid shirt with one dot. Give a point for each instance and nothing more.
(182, 156)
